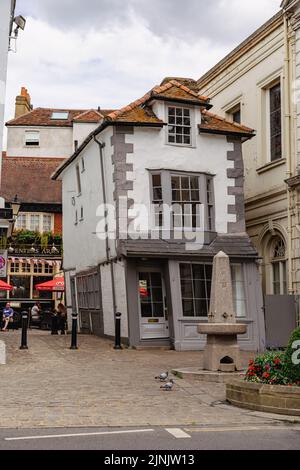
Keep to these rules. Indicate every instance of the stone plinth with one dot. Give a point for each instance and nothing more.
(222, 329)
(2, 353)
(222, 352)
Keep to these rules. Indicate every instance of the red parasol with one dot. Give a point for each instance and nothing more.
(5, 286)
(56, 285)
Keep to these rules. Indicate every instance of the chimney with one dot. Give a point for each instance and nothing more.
(23, 103)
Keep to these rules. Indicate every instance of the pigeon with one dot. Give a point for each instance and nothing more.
(168, 386)
(163, 376)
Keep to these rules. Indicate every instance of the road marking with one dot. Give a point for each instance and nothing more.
(56, 436)
(178, 433)
(244, 428)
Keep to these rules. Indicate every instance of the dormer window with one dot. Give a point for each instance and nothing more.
(179, 126)
(60, 115)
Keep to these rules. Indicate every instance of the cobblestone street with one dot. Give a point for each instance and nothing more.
(51, 386)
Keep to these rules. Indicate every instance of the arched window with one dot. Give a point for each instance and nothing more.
(279, 264)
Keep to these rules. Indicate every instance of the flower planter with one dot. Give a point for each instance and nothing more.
(280, 399)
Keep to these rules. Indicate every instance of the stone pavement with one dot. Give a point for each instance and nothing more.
(51, 386)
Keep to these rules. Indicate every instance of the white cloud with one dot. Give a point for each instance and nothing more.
(112, 63)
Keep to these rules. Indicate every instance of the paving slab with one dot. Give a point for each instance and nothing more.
(51, 386)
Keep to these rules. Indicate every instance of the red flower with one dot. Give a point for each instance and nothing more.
(277, 361)
(266, 375)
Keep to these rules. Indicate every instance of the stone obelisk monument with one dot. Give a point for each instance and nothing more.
(222, 352)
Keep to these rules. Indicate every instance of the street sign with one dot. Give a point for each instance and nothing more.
(3, 263)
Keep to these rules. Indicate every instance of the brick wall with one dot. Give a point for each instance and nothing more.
(58, 224)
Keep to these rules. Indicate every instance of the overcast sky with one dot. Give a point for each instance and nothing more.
(89, 53)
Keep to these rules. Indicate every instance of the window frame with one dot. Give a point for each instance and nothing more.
(233, 110)
(34, 143)
(272, 86)
(60, 113)
(26, 216)
(166, 182)
(244, 282)
(191, 264)
(264, 162)
(191, 109)
(88, 288)
(279, 262)
(78, 179)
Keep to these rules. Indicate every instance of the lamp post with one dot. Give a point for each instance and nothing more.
(15, 205)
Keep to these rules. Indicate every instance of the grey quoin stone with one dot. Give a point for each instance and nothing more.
(2, 353)
(221, 303)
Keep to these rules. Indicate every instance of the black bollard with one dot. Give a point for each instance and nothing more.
(24, 330)
(74, 331)
(118, 332)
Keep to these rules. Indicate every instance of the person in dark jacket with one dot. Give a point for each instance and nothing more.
(62, 318)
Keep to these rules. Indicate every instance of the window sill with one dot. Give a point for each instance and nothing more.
(181, 145)
(271, 165)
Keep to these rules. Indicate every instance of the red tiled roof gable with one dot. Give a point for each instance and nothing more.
(30, 179)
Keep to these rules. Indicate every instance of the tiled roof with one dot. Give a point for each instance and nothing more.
(177, 91)
(138, 114)
(216, 124)
(92, 115)
(138, 111)
(188, 82)
(30, 179)
(42, 117)
(235, 246)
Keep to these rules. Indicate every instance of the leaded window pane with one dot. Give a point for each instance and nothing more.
(179, 126)
(275, 122)
(195, 289)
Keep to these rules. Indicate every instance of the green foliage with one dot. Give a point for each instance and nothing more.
(57, 239)
(44, 240)
(26, 237)
(268, 368)
(292, 369)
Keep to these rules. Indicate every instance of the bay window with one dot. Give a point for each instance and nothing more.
(196, 281)
(189, 198)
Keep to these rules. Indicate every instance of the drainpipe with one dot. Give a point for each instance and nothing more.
(101, 146)
(287, 144)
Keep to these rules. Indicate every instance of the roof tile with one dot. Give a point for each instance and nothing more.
(213, 122)
(42, 117)
(30, 179)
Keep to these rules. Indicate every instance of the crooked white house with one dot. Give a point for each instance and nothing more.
(149, 198)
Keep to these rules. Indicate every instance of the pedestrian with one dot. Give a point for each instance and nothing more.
(62, 318)
(7, 316)
(36, 313)
(54, 323)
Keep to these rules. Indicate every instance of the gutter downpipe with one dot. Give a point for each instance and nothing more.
(287, 128)
(101, 146)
